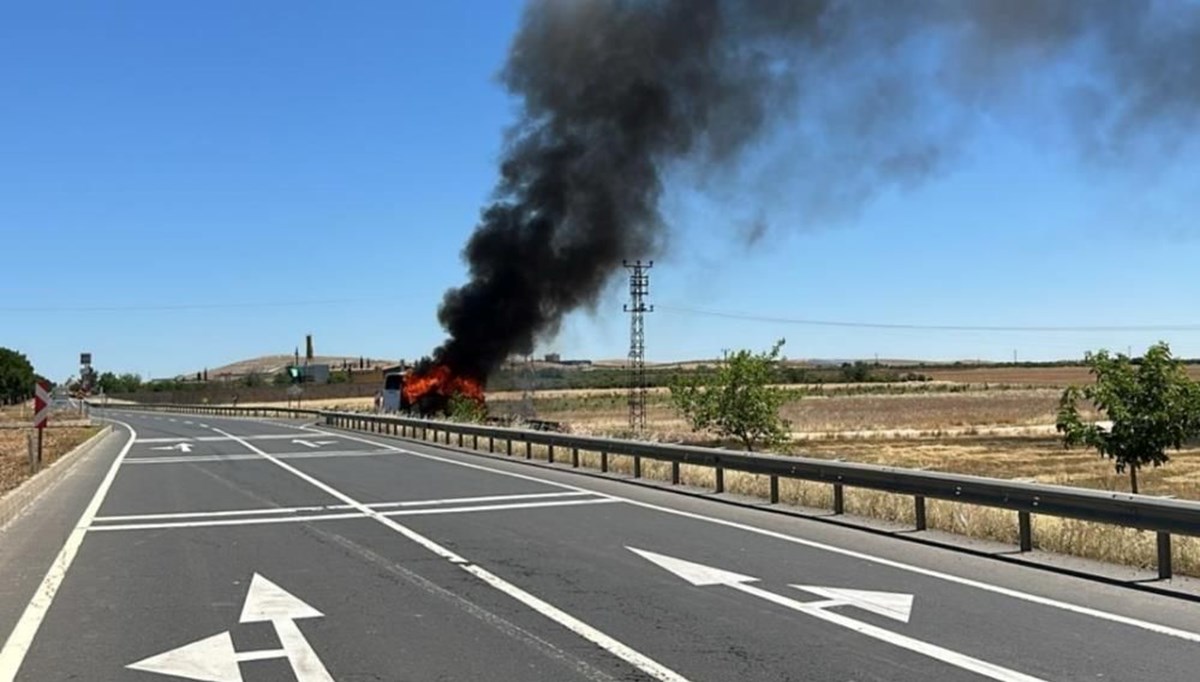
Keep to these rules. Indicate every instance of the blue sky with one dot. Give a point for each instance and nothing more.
(316, 167)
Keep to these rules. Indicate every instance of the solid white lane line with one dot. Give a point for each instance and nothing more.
(212, 514)
(227, 522)
(209, 522)
(21, 637)
(260, 511)
(640, 661)
(186, 459)
(467, 500)
(216, 439)
(497, 507)
(890, 563)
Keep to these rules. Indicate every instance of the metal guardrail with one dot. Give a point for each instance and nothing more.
(1160, 515)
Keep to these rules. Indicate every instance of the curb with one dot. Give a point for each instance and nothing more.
(14, 503)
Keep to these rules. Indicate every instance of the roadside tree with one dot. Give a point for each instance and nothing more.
(736, 400)
(16, 377)
(1150, 402)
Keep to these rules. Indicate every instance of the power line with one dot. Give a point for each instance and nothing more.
(178, 306)
(927, 327)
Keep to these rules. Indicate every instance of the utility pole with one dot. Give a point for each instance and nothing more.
(639, 288)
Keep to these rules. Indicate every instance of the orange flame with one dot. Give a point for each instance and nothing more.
(441, 380)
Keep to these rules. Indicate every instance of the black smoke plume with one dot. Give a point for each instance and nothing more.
(618, 94)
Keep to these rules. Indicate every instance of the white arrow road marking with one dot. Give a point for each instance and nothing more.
(312, 443)
(182, 447)
(213, 659)
(703, 576)
(267, 601)
(894, 605)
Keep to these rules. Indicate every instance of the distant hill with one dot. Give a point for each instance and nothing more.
(273, 364)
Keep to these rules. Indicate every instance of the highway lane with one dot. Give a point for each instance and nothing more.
(407, 561)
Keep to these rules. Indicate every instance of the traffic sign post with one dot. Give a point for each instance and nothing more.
(41, 415)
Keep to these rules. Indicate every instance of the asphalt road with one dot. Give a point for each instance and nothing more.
(224, 549)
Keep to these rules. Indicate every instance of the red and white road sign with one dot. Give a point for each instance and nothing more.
(41, 404)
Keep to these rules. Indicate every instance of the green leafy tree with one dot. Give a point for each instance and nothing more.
(16, 377)
(129, 383)
(1151, 404)
(107, 382)
(736, 400)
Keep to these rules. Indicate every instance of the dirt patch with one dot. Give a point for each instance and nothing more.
(14, 453)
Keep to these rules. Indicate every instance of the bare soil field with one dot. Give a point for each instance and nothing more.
(14, 452)
(1044, 376)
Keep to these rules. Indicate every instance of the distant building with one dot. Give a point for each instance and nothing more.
(553, 357)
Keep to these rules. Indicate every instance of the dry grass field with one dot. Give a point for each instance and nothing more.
(14, 452)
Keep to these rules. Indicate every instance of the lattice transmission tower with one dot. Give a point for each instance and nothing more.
(639, 289)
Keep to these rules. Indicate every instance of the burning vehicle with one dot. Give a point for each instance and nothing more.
(427, 390)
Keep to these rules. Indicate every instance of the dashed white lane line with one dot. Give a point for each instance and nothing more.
(21, 637)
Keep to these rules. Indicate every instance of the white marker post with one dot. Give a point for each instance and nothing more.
(893, 605)
(213, 659)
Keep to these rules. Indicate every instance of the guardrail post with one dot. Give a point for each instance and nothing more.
(460, 440)
(919, 508)
(719, 472)
(475, 441)
(637, 466)
(550, 453)
(774, 489)
(491, 444)
(839, 499)
(575, 458)
(604, 462)
(528, 450)
(1025, 530)
(508, 447)
(1164, 556)
(674, 473)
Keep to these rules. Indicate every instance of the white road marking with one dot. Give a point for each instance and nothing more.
(312, 443)
(882, 561)
(268, 602)
(330, 507)
(203, 426)
(171, 420)
(258, 520)
(21, 637)
(707, 576)
(213, 659)
(215, 514)
(161, 459)
(187, 423)
(497, 507)
(483, 498)
(640, 661)
(215, 439)
(182, 447)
